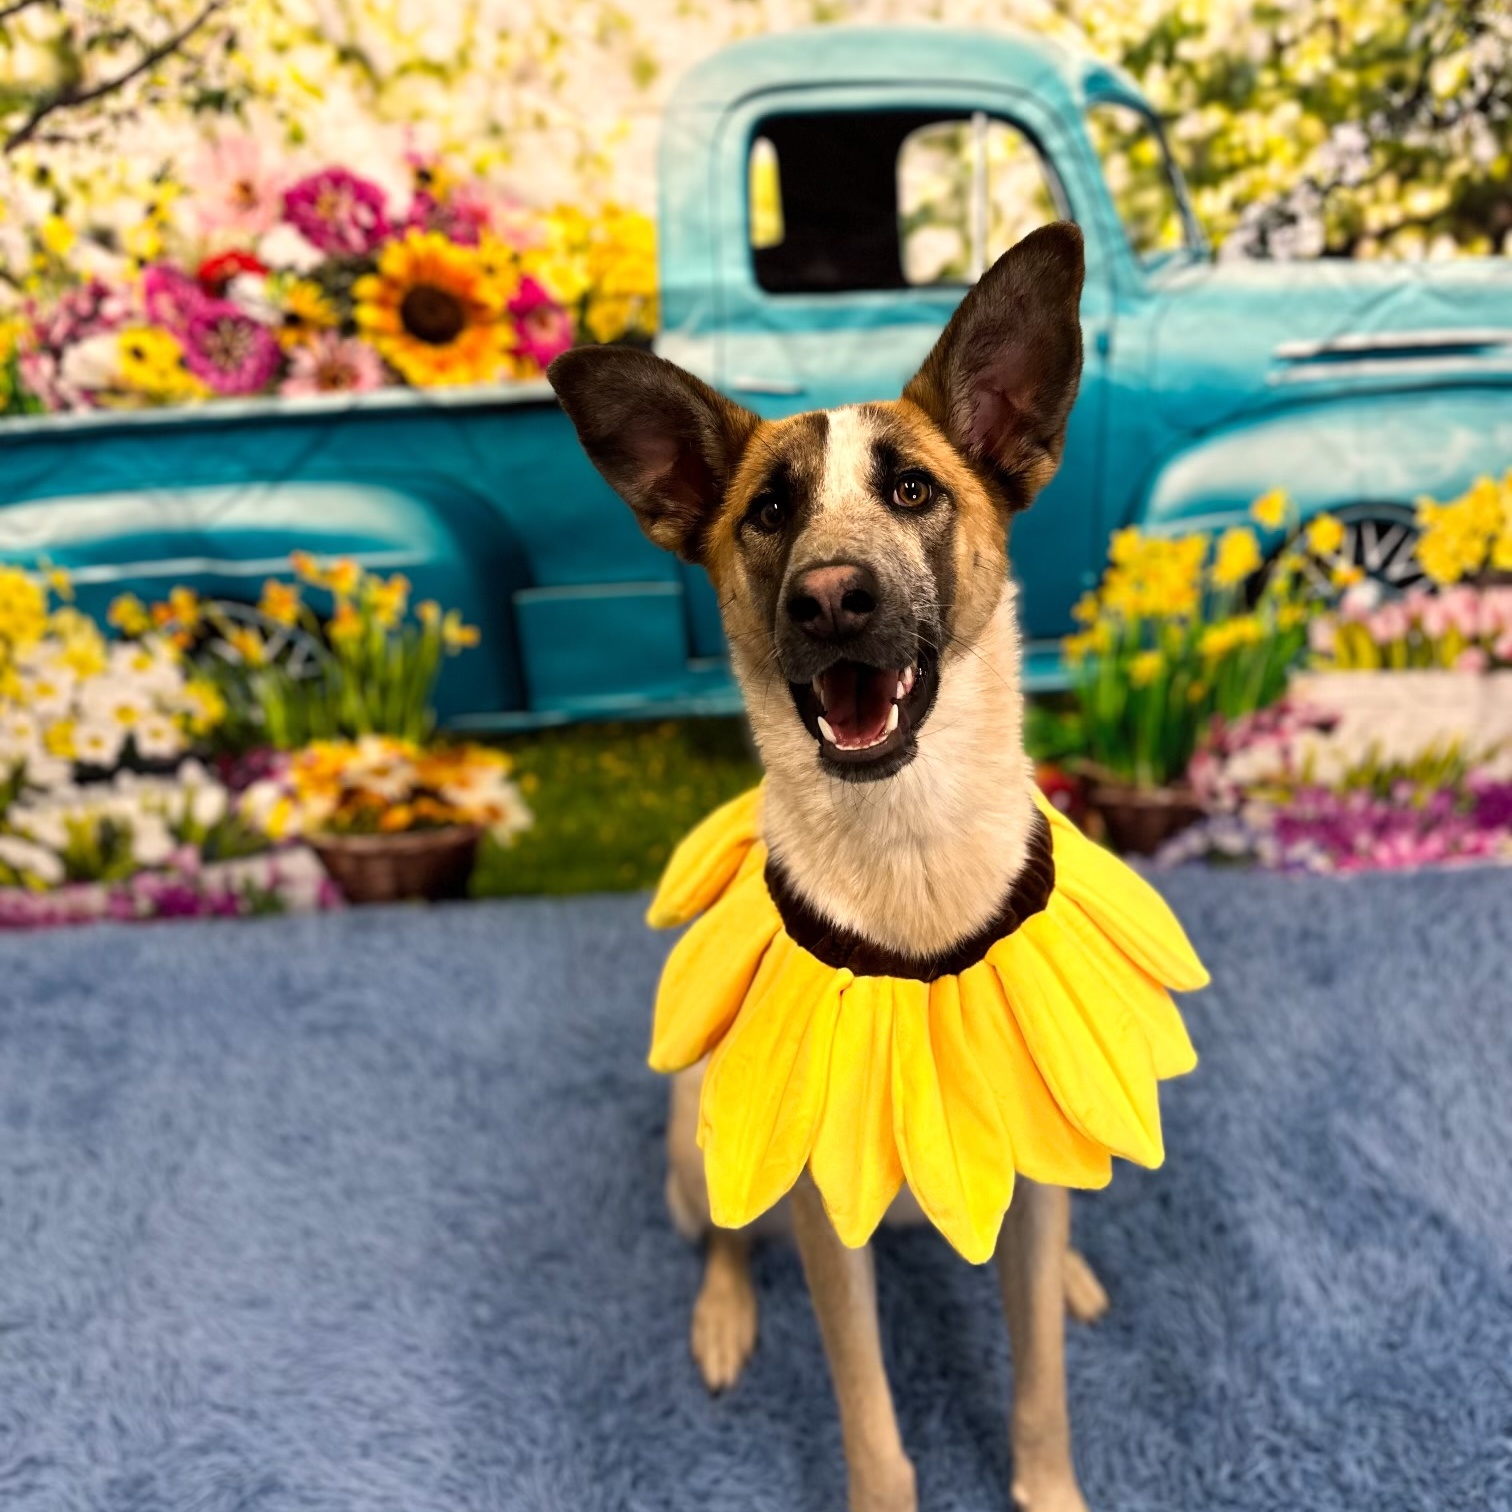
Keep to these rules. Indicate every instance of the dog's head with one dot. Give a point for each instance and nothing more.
(856, 552)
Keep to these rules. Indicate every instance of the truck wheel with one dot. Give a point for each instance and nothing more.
(1381, 540)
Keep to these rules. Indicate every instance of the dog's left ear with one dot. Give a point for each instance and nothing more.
(1002, 378)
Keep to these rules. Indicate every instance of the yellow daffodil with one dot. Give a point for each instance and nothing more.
(205, 707)
(280, 602)
(1237, 557)
(248, 644)
(343, 577)
(23, 608)
(184, 608)
(1145, 668)
(456, 635)
(346, 624)
(1325, 535)
(387, 601)
(1272, 509)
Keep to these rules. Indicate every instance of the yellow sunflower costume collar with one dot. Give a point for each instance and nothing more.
(1036, 1046)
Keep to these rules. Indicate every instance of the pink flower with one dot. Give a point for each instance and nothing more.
(228, 350)
(1322, 636)
(462, 217)
(78, 316)
(543, 329)
(1389, 623)
(1502, 649)
(338, 212)
(332, 364)
(172, 297)
(236, 189)
(1471, 659)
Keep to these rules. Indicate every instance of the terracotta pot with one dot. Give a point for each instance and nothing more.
(1138, 821)
(431, 864)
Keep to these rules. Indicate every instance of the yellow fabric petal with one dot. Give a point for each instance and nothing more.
(1122, 904)
(1045, 1145)
(855, 1161)
(1150, 1004)
(708, 974)
(706, 861)
(1092, 1054)
(765, 1087)
(954, 1149)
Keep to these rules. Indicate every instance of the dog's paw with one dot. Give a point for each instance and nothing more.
(1086, 1300)
(724, 1327)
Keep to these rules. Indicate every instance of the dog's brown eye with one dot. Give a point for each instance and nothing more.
(912, 491)
(770, 515)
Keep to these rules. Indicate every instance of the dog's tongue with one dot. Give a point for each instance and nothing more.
(857, 701)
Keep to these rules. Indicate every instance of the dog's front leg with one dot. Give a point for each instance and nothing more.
(1031, 1260)
(843, 1284)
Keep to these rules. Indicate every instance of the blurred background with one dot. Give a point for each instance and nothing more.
(309, 594)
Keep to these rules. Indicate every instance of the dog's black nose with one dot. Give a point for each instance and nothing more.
(833, 603)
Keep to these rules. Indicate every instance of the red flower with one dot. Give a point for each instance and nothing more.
(215, 273)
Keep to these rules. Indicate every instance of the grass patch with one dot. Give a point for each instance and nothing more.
(610, 802)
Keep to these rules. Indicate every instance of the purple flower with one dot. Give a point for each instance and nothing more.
(337, 212)
(229, 351)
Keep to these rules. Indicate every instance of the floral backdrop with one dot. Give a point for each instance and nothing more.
(227, 197)
(210, 199)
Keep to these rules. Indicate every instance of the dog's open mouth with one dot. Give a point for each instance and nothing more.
(865, 717)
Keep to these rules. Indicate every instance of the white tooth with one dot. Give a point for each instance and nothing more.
(826, 731)
(819, 692)
(892, 719)
(902, 691)
(908, 678)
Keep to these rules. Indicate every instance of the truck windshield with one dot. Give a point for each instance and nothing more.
(1146, 189)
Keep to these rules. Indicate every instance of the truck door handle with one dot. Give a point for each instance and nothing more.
(746, 384)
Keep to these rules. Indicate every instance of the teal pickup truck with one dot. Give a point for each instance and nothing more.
(825, 198)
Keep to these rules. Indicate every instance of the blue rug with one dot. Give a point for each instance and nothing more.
(364, 1212)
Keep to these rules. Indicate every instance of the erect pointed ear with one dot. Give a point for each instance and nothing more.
(665, 442)
(1001, 379)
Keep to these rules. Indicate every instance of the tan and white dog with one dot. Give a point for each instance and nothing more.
(860, 556)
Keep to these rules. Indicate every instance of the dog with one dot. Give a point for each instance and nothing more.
(860, 556)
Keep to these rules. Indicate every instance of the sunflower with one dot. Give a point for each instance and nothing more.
(437, 312)
(1041, 1056)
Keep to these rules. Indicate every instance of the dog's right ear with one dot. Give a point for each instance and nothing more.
(665, 442)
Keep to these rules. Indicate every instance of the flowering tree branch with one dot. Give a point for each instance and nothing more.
(72, 95)
(16, 7)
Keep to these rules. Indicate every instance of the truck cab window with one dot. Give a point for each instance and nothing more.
(853, 200)
(967, 191)
(1141, 179)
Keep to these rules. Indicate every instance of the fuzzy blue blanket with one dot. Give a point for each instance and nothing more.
(364, 1212)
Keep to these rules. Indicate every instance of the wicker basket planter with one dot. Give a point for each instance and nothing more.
(1138, 821)
(430, 864)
